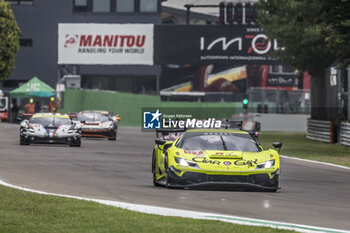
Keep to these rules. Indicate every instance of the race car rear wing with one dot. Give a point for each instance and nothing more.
(225, 124)
(112, 115)
(166, 132)
(24, 116)
(232, 124)
(72, 115)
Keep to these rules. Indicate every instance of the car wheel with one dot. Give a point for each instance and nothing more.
(76, 143)
(167, 176)
(23, 142)
(274, 186)
(272, 190)
(154, 170)
(114, 137)
(168, 180)
(155, 183)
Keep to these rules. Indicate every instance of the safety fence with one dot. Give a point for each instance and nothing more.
(279, 101)
(345, 133)
(322, 131)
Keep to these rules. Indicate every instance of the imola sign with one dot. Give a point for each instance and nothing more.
(212, 44)
(260, 44)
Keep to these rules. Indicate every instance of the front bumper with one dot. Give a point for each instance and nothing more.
(202, 180)
(98, 133)
(51, 140)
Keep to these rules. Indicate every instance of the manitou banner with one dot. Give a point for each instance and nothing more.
(212, 44)
(105, 44)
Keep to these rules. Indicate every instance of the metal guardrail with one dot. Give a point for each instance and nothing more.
(322, 131)
(345, 133)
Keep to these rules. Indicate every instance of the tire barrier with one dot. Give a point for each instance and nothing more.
(345, 133)
(322, 131)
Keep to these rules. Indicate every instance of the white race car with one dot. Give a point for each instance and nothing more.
(50, 128)
(97, 124)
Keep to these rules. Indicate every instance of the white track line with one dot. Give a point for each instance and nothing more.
(317, 162)
(191, 214)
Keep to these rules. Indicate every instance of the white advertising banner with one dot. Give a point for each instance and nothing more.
(105, 44)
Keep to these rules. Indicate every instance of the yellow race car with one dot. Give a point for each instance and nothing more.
(214, 158)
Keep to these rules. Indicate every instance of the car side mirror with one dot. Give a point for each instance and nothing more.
(251, 133)
(277, 145)
(167, 146)
(19, 120)
(257, 126)
(24, 123)
(160, 142)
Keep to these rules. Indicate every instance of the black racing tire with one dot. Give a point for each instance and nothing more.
(275, 186)
(114, 137)
(271, 190)
(23, 142)
(167, 176)
(153, 161)
(76, 143)
(168, 180)
(155, 183)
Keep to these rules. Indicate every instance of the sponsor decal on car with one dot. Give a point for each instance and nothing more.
(244, 162)
(227, 163)
(198, 153)
(205, 160)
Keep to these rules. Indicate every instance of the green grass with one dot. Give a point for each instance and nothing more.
(296, 145)
(29, 212)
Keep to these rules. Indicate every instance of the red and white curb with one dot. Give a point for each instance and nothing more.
(190, 214)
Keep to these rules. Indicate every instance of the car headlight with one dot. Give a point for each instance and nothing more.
(72, 130)
(185, 163)
(266, 164)
(31, 130)
(107, 125)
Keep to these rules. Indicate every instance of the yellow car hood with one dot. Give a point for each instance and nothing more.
(227, 161)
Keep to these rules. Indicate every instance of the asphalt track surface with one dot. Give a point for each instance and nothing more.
(311, 194)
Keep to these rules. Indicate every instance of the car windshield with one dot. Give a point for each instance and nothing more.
(92, 116)
(2, 102)
(218, 141)
(50, 121)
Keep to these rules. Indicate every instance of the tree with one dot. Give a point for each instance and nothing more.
(336, 27)
(295, 25)
(9, 40)
(312, 40)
